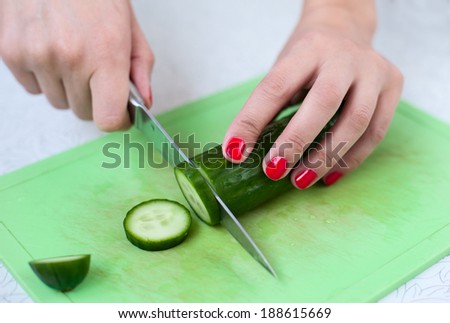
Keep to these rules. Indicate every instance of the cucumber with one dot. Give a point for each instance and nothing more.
(157, 224)
(243, 186)
(198, 194)
(62, 273)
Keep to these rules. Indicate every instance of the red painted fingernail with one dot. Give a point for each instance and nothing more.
(305, 178)
(235, 148)
(276, 168)
(332, 178)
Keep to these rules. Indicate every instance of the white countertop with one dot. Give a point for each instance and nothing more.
(205, 46)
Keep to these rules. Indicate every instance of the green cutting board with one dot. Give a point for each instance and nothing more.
(353, 242)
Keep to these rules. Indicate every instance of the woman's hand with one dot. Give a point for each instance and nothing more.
(80, 54)
(330, 54)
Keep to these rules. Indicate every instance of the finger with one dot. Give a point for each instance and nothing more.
(26, 78)
(271, 94)
(76, 67)
(142, 61)
(319, 106)
(79, 94)
(53, 88)
(374, 134)
(13, 55)
(109, 91)
(353, 121)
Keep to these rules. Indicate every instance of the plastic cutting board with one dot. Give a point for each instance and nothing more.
(353, 242)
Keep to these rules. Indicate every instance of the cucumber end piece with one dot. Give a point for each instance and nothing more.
(62, 273)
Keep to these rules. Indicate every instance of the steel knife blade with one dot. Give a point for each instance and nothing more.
(144, 121)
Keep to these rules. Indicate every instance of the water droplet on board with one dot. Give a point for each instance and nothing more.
(312, 217)
(330, 221)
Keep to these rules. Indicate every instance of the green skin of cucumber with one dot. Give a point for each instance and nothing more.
(60, 273)
(243, 186)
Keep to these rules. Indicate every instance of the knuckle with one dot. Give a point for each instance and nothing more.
(395, 75)
(275, 86)
(398, 77)
(109, 40)
(148, 58)
(151, 59)
(114, 43)
(38, 55)
(376, 58)
(112, 38)
(349, 45)
(250, 126)
(331, 91)
(360, 118)
(68, 53)
(377, 134)
(297, 142)
(151, 56)
(111, 123)
(327, 96)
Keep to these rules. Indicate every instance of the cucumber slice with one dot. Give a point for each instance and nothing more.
(62, 273)
(198, 194)
(157, 224)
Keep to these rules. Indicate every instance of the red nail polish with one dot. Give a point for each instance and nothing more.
(235, 148)
(332, 178)
(305, 178)
(276, 168)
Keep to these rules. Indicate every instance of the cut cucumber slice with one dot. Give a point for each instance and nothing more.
(198, 194)
(157, 224)
(62, 273)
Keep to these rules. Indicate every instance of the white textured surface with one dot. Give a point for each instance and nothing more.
(204, 46)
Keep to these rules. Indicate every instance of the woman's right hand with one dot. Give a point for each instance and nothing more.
(80, 54)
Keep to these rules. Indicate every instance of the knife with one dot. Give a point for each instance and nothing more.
(144, 121)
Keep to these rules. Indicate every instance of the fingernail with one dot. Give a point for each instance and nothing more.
(276, 168)
(305, 178)
(235, 148)
(332, 178)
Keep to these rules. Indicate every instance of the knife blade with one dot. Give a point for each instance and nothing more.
(144, 121)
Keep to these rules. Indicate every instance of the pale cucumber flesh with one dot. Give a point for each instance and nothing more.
(157, 224)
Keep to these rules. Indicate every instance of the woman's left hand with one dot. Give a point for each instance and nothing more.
(333, 63)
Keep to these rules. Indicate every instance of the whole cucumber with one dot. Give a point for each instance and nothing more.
(243, 186)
